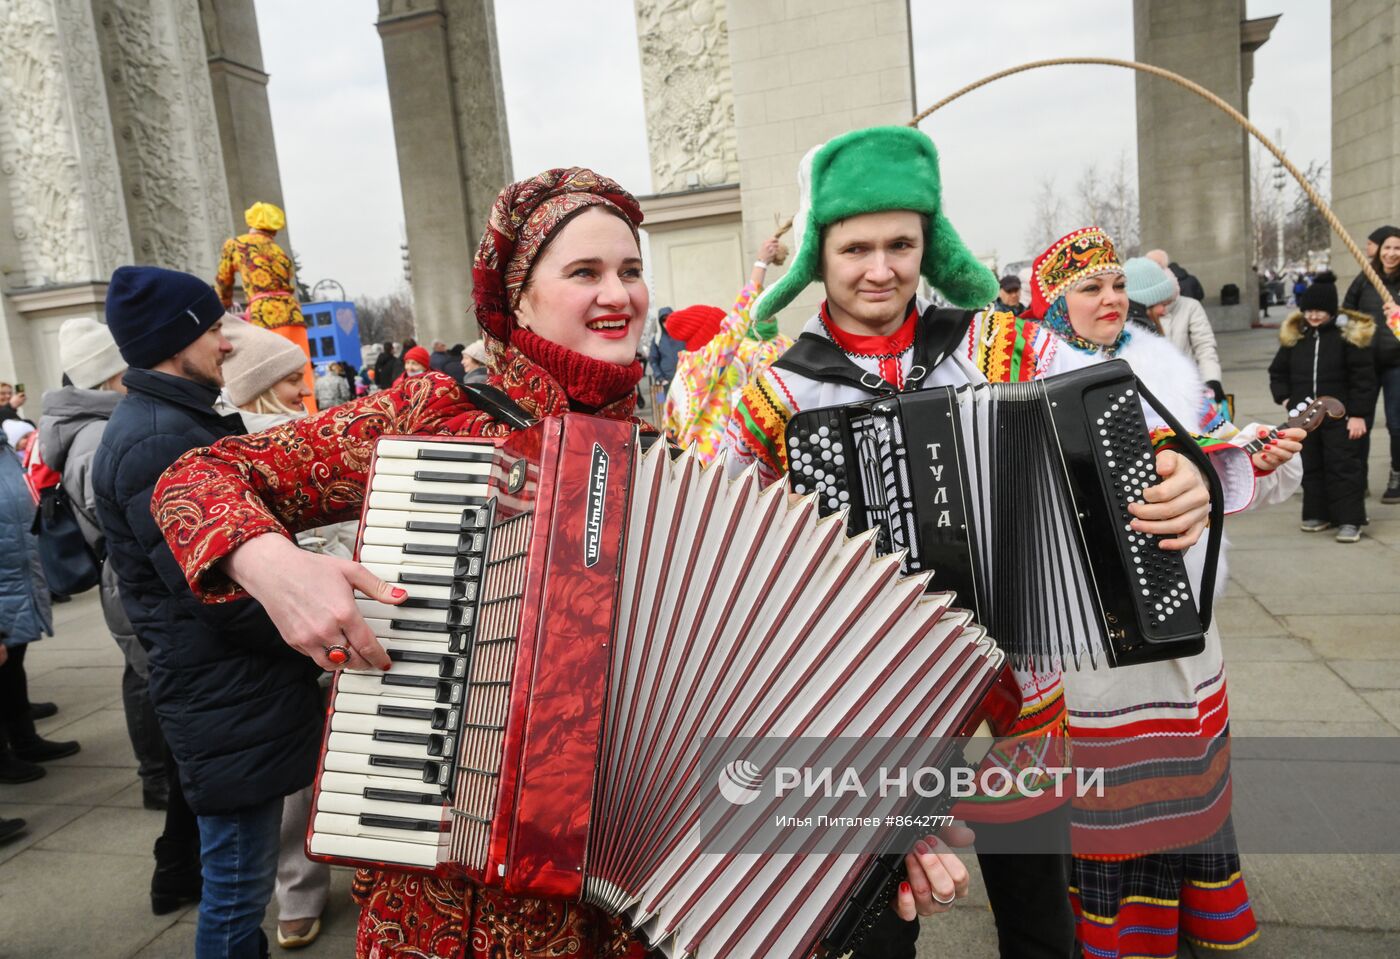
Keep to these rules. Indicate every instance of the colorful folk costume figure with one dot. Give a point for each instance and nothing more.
(875, 171)
(313, 471)
(269, 283)
(1155, 858)
(710, 379)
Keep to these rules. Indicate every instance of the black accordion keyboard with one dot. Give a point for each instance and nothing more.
(1015, 496)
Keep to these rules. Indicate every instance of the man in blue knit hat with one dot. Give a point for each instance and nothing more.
(240, 710)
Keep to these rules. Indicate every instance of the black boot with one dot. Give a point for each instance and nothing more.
(1392, 489)
(14, 770)
(42, 710)
(31, 747)
(177, 881)
(10, 827)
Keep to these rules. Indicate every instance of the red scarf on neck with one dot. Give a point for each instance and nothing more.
(887, 349)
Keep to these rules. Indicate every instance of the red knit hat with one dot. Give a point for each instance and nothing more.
(419, 355)
(696, 325)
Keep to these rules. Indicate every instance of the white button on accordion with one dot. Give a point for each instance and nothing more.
(582, 618)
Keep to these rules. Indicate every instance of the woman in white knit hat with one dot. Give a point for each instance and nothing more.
(264, 384)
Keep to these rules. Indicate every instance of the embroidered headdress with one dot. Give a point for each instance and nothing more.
(1070, 259)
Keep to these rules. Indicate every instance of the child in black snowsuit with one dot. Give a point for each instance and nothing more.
(1327, 353)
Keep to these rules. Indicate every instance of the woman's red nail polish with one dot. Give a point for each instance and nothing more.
(904, 888)
(1263, 433)
(387, 668)
(398, 592)
(921, 848)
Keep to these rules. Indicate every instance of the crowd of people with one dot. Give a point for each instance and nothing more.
(220, 482)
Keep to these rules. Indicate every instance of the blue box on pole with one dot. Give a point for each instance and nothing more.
(332, 333)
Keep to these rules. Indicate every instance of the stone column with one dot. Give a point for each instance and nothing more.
(1365, 121)
(162, 109)
(453, 148)
(803, 73)
(63, 219)
(239, 87)
(693, 221)
(1193, 160)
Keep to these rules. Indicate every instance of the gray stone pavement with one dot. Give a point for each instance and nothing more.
(1310, 629)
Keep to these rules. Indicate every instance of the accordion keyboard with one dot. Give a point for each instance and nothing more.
(389, 764)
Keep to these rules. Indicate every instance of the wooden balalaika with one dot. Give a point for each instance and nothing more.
(582, 618)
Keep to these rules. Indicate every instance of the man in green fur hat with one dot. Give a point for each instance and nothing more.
(870, 224)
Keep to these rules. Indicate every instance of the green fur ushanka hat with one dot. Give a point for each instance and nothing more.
(871, 171)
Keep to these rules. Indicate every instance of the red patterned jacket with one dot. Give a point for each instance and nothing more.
(312, 472)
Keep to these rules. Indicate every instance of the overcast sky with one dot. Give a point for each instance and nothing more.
(573, 96)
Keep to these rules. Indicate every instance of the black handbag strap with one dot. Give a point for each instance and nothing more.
(1216, 531)
(937, 334)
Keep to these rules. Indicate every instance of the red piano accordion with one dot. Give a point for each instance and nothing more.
(582, 617)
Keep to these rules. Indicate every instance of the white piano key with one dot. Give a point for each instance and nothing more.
(400, 518)
(359, 763)
(374, 850)
(365, 724)
(369, 746)
(340, 825)
(395, 556)
(381, 536)
(354, 805)
(384, 499)
(393, 466)
(355, 681)
(409, 449)
(391, 573)
(386, 612)
(383, 630)
(355, 785)
(426, 645)
(388, 483)
(368, 704)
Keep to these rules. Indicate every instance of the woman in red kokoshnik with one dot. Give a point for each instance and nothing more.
(561, 302)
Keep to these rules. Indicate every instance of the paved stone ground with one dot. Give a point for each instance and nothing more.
(1309, 626)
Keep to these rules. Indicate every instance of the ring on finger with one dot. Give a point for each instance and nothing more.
(944, 902)
(338, 655)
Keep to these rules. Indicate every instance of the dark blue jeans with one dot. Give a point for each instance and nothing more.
(239, 851)
(1390, 389)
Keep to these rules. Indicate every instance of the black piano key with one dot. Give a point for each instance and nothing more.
(418, 602)
(423, 526)
(424, 766)
(418, 626)
(442, 746)
(438, 476)
(422, 682)
(433, 549)
(445, 499)
(397, 736)
(426, 714)
(446, 718)
(396, 822)
(450, 453)
(414, 656)
(399, 795)
(427, 579)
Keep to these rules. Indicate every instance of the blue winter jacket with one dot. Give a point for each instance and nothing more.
(25, 614)
(240, 709)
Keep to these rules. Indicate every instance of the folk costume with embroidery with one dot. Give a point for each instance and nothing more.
(1126, 904)
(269, 282)
(709, 380)
(313, 472)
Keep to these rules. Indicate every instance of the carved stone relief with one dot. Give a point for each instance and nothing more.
(39, 158)
(167, 139)
(689, 95)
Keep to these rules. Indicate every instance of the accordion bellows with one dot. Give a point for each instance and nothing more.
(631, 610)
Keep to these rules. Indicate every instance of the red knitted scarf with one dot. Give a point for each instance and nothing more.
(589, 384)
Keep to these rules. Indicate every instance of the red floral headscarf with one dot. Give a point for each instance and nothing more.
(522, 218)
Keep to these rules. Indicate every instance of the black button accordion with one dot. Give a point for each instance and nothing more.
(1015, 496)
